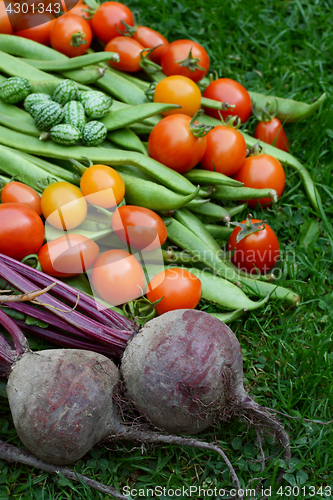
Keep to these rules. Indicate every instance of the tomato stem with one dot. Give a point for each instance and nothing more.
(248, 227)
(191, 62)
(147, 64)
(78, 38)
(199, 129)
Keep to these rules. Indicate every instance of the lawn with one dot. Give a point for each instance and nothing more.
(281, 48)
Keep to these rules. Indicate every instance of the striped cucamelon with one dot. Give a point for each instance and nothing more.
(97, 106)
(14, 89)
(66, 91)
(74, 114)
(35, 98)
(65, 134)
(94, 133)
(47, 115)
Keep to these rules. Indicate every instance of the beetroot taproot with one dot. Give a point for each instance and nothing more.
(184, 371)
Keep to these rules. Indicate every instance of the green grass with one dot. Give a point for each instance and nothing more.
(280, 48)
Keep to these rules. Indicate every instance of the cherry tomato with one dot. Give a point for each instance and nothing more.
(178, 90)
(272, 132)
(107, 20)
(225, 150)
(35, 26)
(17, 192)
(63, 205)
(261, 172)
(179, 288)
(21, 230)
(129, 51)
(68, 255)
(172, 143)
(117, 277)
(102, 186)
(139, 227)
(232, 92)
(257, 251)
(150, 38)
(82, 10)
(176, 60)
(5, 24)
(71, 35)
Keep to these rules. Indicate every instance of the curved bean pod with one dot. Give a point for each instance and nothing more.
(124, 117)
(85, 76)
(13, 165)
(150, 195)
(125, 138)
(191, 221)
(287, 110)
(220, 232)
(211, 210)
(284, 158)
(71, 63)
(12, 123)
(229, 316)
(161, 173)
(211, 178)
(121, 88)
(232, 193)
(185, 239)
(23, 47)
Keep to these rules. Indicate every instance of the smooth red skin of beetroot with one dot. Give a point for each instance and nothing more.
(61, 402)
(181, 368)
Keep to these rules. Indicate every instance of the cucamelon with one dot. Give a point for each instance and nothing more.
(47, 115)
(74, 114)
(65, 134)
(66, 91)
(14, 89)
(94, 133)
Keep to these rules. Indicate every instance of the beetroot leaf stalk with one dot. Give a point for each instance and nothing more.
(70, 294)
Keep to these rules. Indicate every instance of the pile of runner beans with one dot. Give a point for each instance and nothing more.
(120, 163)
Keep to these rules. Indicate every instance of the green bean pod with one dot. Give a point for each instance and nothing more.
(238, 209)
(219, 232)
(287, 110)
(124, 117)
(134, 172)
(23, 47)
(227, 317)
(13, 165)
(14, 124)
(121, 88)
(125, 138)
(284, 158)
(150, 195)
(211, 210)
(231, 193)
(50, 168)
(207, 177)
(191, 221)
(71, 63)
(141, 128)
(85, 76)
(158, 171)
(185, 239)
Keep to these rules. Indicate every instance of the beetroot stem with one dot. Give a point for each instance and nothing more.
(13, 454)
(20, 342)
(156, 437)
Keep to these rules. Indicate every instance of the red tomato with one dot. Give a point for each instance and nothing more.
(35, 26)
(272, 132)
(176, 60)
(21, 230)
(5, 24)
(232, 92)
(172, 143)
(80, 10)
(179, 288)
(17, 192)
(178, 90)
(225, 150)
(117, 277)
(102, 186)
(71, 35)
(257, 252)
(63, 205)
(69, 255)
(261, 172)
(107, 20)
(129, 51)
(139, 227)
(150, 38)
